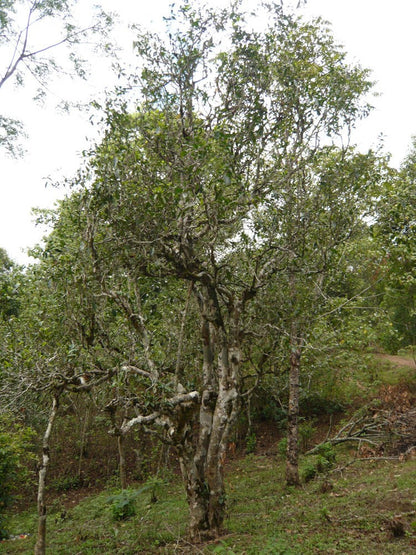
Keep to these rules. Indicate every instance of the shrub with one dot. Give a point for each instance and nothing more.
(15, 450)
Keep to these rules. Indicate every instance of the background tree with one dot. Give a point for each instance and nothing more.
(25, 53)
(396, 229)
(314, 218)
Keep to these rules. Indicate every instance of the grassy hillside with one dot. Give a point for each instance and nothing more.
(369, 507)
(363, 502)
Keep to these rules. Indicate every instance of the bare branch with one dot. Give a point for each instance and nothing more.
(192, 397)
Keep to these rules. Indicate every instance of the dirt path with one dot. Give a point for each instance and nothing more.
(398, 360)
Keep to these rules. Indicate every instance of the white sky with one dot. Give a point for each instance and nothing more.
(378, 34)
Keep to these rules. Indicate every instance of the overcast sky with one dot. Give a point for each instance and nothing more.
(378, 34)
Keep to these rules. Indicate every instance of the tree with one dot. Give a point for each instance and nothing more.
(395, 230)
(175, 188)
(25, 52)
(186, 205)
(41, 362)
(318, 213)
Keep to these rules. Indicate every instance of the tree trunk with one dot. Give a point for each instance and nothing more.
(292, 454)
(197, 489)
(201, 447)
(226, 410)
(192, 464)
(40, 546)
(122, 461)
(197, 495)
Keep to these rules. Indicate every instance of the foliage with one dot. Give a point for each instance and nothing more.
(10, 281)
(395, 231)
(123, 505)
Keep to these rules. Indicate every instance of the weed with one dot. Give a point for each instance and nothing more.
(123, 504)
(223, 548)
(251, 442)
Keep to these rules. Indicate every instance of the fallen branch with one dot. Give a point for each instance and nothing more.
(372, 427)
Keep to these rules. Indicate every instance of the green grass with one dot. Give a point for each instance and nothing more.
(264, 517)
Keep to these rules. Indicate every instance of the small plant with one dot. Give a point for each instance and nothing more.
(123, 505)
(326, 450)
(154, 484)
(321, 462)
(282, 448)
(222, 548)
(324, 514)
(251, 442)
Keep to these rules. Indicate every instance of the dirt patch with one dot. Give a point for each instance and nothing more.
(398, 360)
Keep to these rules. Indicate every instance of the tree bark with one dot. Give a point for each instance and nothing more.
(292, 453)
(197, 492)
(187, 442)
(197, 488)
(122, 461)
(40, 546)
(225, 413)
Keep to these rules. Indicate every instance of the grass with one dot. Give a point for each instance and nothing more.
(345, 512)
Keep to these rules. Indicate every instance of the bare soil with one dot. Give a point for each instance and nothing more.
(398, 360)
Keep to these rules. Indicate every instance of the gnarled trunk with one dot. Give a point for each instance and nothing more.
(218, 412)
(226, 410)
(202, 464)
(292, 454)
(191, 450)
